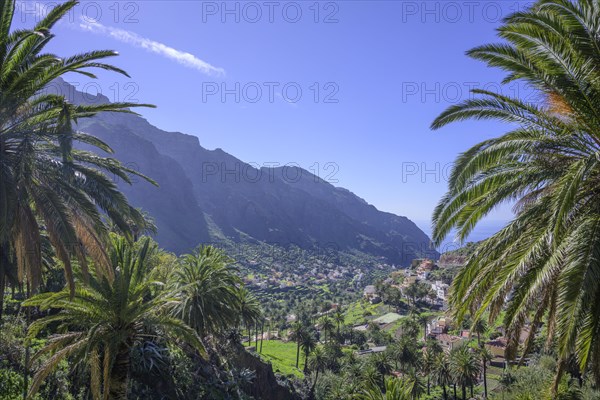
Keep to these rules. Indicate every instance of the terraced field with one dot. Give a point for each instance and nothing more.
(282, 356)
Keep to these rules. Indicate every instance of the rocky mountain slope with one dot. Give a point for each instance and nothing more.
(210, 195)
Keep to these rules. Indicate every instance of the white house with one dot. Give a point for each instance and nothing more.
(440, 289)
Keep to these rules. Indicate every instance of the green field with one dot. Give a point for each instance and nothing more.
(355, 311)
(282, 356)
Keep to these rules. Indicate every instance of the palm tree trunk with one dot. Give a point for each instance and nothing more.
(305, 362)
(312, 389)
(471, 390)
(428, 385)
(485, 389)
(27, 352)
(2, 287)
(455, 391)
(445, 393)
(4, 267)
(262, 335)
(464, 392)
(119, 374)
(297, 353)
(249, 327)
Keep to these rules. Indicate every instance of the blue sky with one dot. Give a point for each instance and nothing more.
(372, 77)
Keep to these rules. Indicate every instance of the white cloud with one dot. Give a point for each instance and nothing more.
(181, 57)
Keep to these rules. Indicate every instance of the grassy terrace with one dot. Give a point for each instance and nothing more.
(282, 355)
(355, 313)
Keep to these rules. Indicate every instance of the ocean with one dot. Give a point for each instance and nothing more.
(482, 231)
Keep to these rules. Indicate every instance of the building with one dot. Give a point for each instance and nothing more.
(440, 289)
(370, 293)
(497, 347)
(408, 280)
(290, 318)
(437, 326)
(448, 342)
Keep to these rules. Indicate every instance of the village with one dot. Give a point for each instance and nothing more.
(376, 322)
(422, 284)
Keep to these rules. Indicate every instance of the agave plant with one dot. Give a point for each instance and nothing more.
(48, 187)
(104, 319)
(544, 265)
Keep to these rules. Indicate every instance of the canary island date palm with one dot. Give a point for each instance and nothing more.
(340, 318)
(395, 389)
(327, 326)
(442, 373)
(296, 332)
(308, 342)
(105, 318)
(486, 357)
(249, 310)
(465, 368)
(46, 183)
(317, 361)
(206, 286)
(544, 265)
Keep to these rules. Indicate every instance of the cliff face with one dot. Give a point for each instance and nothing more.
(209, 194)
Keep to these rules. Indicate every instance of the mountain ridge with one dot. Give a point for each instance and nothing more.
(207, 194)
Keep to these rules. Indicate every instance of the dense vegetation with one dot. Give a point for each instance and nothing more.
(97, 310)
(288, 278)
(542, 268)
(122, 308)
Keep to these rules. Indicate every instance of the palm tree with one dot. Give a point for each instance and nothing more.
(465, 368)
(427, 365)
(206, 286)
(410, 327)
(339, 319)
(422, 320)
(48, 187)
(296, 335)
(382, 364)
(480, 327)
(148, 226)
(415, 386)
(442, 373)
(249, 311)
(405, 354)
(433, 346)
(316, 362)
(262, 334)
(327, 326)
(308, 342)
(8, 272)
(394, 389)
(104, 318)
(486, 357)
(506, 382)
(370, 375)
(546, 257)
